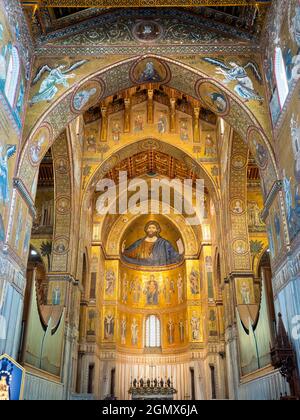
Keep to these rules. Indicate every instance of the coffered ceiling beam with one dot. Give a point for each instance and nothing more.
(142, 3)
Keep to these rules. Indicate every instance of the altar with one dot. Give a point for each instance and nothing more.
(156, 389)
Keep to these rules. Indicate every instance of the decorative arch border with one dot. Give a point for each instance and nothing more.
(260, 257)
(145, 145)
(58, 118)
(63, 205)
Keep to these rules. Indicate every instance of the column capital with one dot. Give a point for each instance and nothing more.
(150, 94)
(19, 185)
(62, 277)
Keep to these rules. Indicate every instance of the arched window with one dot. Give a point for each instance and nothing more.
(153, 331)
(12, 77)
(281, 77)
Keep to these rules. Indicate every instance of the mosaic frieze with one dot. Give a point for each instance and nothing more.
(166, 27)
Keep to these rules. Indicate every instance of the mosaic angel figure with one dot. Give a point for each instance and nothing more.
(56, 76)
(238, 73)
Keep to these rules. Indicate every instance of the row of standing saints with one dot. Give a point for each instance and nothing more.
(151, 288)
(134, 329)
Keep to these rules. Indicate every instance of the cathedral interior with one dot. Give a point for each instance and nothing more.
(142, 305)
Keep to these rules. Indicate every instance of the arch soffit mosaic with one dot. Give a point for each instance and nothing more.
(61, 113)
(145, 145)
(125, 195)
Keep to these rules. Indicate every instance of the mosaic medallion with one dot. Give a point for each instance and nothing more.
(150, 70)
(87, 96)
(61, 245)
(147, 31)
(239, 161)
(39, 144)
(240, 247)
(149, 144)
(237, 206)
(63, 205)
(61, 165)
(258, 149)
(212, 97)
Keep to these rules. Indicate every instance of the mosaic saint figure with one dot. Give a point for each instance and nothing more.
(218, 101)
(170, 331)
(254, 215)
(288, 196)
(271, 241)
(152, 250)
(150, 74)
(180, 289)
(92, 323)
(134, 332)
(124, 296)
(152, 291)
(5, 154)
(181, 330)
(238, 207)
(20, 101)
(57, 76)
(295, 134)
(261, 153)
(162, 124)
(138, 124)
(136, 290)
(184, 130)
(147, 30)
(245, 293)
(2, 230)
(91, 144)
(194, 282)
(19, 229)
(210, 148)
(277, 230)
(110, 283)
(257, 218)
(116, 131)
(212, 324)
(36, 148)
(2, 57)
(240, 247)
(82, 98)
(195, 324)
(109, 326)
(62, 165)
(56, 296)
(123, 330)
(169, 289)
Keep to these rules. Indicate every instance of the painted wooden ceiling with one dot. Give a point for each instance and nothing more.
(51, 15)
